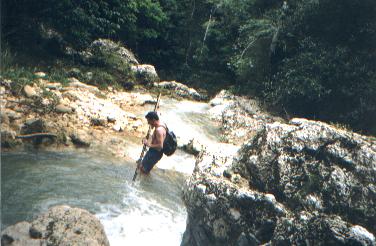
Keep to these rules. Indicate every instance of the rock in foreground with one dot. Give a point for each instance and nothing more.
(60, 225)
(303, 183)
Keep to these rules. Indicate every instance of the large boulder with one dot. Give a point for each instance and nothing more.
(180, 90)
(314, 165)
(105, 51)
(60, 225)
(303, 183)
(240, 117)
(145, 74)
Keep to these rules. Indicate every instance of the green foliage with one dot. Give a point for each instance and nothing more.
(111, 60)
(7, 58)
(101, 78)
(20, 77)
(145, 78)
(109, 68)
(79, 22)
(55, 24)
(50, 96)
(324, 68)
(58, 75)
(314, 59)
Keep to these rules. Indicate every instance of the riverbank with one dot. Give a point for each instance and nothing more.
(78, 115)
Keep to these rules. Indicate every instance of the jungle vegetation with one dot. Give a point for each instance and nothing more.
(309, 58)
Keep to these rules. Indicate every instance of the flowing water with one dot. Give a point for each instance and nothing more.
(149, 211)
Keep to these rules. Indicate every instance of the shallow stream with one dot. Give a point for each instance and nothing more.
(149, 211)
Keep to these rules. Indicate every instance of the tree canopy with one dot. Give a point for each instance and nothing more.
(311, 58)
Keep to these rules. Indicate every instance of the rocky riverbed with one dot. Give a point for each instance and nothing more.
(298, 182)
(78, 115)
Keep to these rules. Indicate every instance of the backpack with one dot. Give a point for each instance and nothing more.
(170, 143)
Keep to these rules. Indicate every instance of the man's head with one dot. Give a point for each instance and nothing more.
(152, 118)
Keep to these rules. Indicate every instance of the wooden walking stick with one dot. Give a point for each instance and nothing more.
(144, 147)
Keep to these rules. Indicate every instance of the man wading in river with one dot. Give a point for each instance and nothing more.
(155, 152)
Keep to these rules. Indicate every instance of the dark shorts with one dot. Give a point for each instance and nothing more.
(151, 158)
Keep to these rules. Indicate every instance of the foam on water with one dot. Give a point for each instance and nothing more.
(180, 162)
(143, 218)
(144, 222)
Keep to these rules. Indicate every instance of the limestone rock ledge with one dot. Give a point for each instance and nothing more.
(60, 225)
(302, 183)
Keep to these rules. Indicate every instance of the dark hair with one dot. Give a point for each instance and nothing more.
(152, 116)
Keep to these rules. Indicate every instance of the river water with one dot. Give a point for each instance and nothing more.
(148, 211)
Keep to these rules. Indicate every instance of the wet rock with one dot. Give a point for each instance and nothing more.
(320, 229)
(193, 147)
(18, 234)
(60, 225)
(80, 140)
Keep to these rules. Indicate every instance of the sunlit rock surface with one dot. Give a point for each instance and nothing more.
(180, 90)
(302, 183)
(240, 117)
(69, 110)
